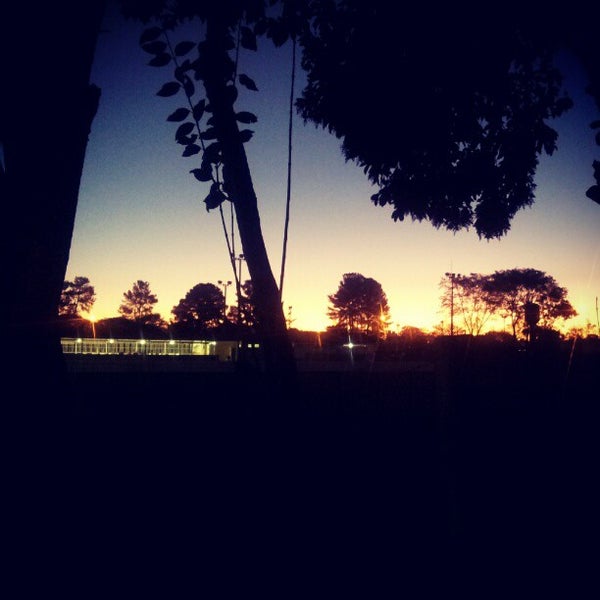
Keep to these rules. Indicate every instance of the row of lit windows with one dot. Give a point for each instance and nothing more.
(146, 347)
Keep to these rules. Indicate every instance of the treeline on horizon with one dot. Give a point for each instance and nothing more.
(526, 303)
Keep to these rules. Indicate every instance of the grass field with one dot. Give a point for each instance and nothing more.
(478, 473)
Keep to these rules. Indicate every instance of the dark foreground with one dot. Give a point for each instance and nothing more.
(474, 478)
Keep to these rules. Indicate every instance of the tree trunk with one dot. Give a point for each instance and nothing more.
(47, 106)
(47, 109)
(277, 347)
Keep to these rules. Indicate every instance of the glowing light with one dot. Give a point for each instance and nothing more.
(92, 319)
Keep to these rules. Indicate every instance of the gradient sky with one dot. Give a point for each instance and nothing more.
(141, 216)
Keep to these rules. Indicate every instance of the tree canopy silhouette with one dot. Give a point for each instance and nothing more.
(448, 116)
(467, 297)
(445, 108)
(77, 296)
(359, 305)
(508, 294)
(201, 309)
(138, 304)
(513, 289)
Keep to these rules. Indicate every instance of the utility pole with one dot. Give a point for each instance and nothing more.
(451, 304)
(451, 276)
(225, 285)
(238, 287)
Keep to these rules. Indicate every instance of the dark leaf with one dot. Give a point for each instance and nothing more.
(183, 48)
(248, 39)
(215, 197)
(212, 152)
(183, 130)
(247, 82)
(246, 117)
(199, 109)
(191, 150)
(278, 32)
(594, 193)
(160, 61)
(180, 71)
(169, 89)
(549, 137)
(186, 65)
(186, 140)
(199, 68)
(261, 27)
(206, 165)
(204, 173)
(149, 35)
(179, 115)
(209, 134)
(246, 135)
(188, 86)
(156, 47)
(210, 121)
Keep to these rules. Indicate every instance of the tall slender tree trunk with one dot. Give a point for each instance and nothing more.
(277, 347)
(47, 106)
(46, 113)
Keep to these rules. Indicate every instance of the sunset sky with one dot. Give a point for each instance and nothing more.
(141, 215)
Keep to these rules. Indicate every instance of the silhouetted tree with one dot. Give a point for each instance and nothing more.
(446, 115)
(445, 108)
(247, 306)
(201, 309)
(467, 297)
(511, 290)
(138, 304)
(210, 127)
(359, 304)
(243, 313)
(77, 296)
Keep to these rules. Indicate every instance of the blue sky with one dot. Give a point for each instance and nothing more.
(141, 215)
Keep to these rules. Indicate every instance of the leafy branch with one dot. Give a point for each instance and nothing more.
(190, 133)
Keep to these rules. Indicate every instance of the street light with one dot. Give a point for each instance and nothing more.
(225, 285)
(239, 260)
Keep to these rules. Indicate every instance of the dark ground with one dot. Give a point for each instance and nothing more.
(477, 478)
